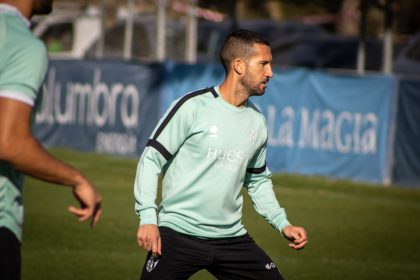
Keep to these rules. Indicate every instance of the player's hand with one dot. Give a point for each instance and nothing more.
(89, 200)
(148, 237)
(297, 236)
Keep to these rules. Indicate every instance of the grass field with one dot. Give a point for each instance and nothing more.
(356, 231)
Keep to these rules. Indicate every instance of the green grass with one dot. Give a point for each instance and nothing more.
(356, 231)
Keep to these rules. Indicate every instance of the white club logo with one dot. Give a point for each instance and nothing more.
(252, 136)
(213, 131)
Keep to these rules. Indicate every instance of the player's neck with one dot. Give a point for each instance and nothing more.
(23, 7)
(233, 93)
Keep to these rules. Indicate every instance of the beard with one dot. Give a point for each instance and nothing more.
(42, 7)
(253, 87)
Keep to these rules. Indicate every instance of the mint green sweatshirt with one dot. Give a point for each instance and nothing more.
(207, 150)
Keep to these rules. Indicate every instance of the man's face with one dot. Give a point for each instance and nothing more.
(258, 70)
(42, 7)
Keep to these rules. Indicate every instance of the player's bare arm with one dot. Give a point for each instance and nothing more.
(20, 149)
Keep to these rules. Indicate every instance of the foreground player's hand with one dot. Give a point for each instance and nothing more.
(297, 236)
(89, 200)
(148, 237)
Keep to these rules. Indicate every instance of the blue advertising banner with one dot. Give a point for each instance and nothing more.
(107, 107)
(318, 123)
(407, 137)
(330, 125)
(183, 78)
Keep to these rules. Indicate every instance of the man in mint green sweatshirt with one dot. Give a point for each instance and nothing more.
(210, 144)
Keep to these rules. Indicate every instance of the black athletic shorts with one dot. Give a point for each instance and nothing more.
(229, 258)
(9, 255)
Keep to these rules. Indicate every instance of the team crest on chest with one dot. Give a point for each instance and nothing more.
(252, 136)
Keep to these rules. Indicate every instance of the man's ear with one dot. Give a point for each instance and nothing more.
(239, 66)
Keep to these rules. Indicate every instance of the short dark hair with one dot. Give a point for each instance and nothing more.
(239, 43)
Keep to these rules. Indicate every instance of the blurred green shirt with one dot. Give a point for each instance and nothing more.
(23, 64)
(208, 150)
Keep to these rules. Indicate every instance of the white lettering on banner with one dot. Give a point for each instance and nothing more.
(309, 130)
(285, 136)
(345, 132)
(368, 139)
(116, 143)
(326, 141)
(343, 146)
(98, 104)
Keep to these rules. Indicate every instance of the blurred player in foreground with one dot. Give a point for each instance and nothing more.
(23, 64)
(210, 144)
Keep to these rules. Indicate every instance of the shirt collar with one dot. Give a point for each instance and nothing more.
(5, 8)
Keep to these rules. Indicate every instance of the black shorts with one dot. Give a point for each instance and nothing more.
(231, 258)
(9, 255)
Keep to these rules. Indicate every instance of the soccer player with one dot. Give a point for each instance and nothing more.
(23, 63)
(208, 145)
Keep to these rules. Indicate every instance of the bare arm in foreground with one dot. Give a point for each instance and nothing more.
(21, 150)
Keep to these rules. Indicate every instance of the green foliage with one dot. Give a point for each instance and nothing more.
(356, 231)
